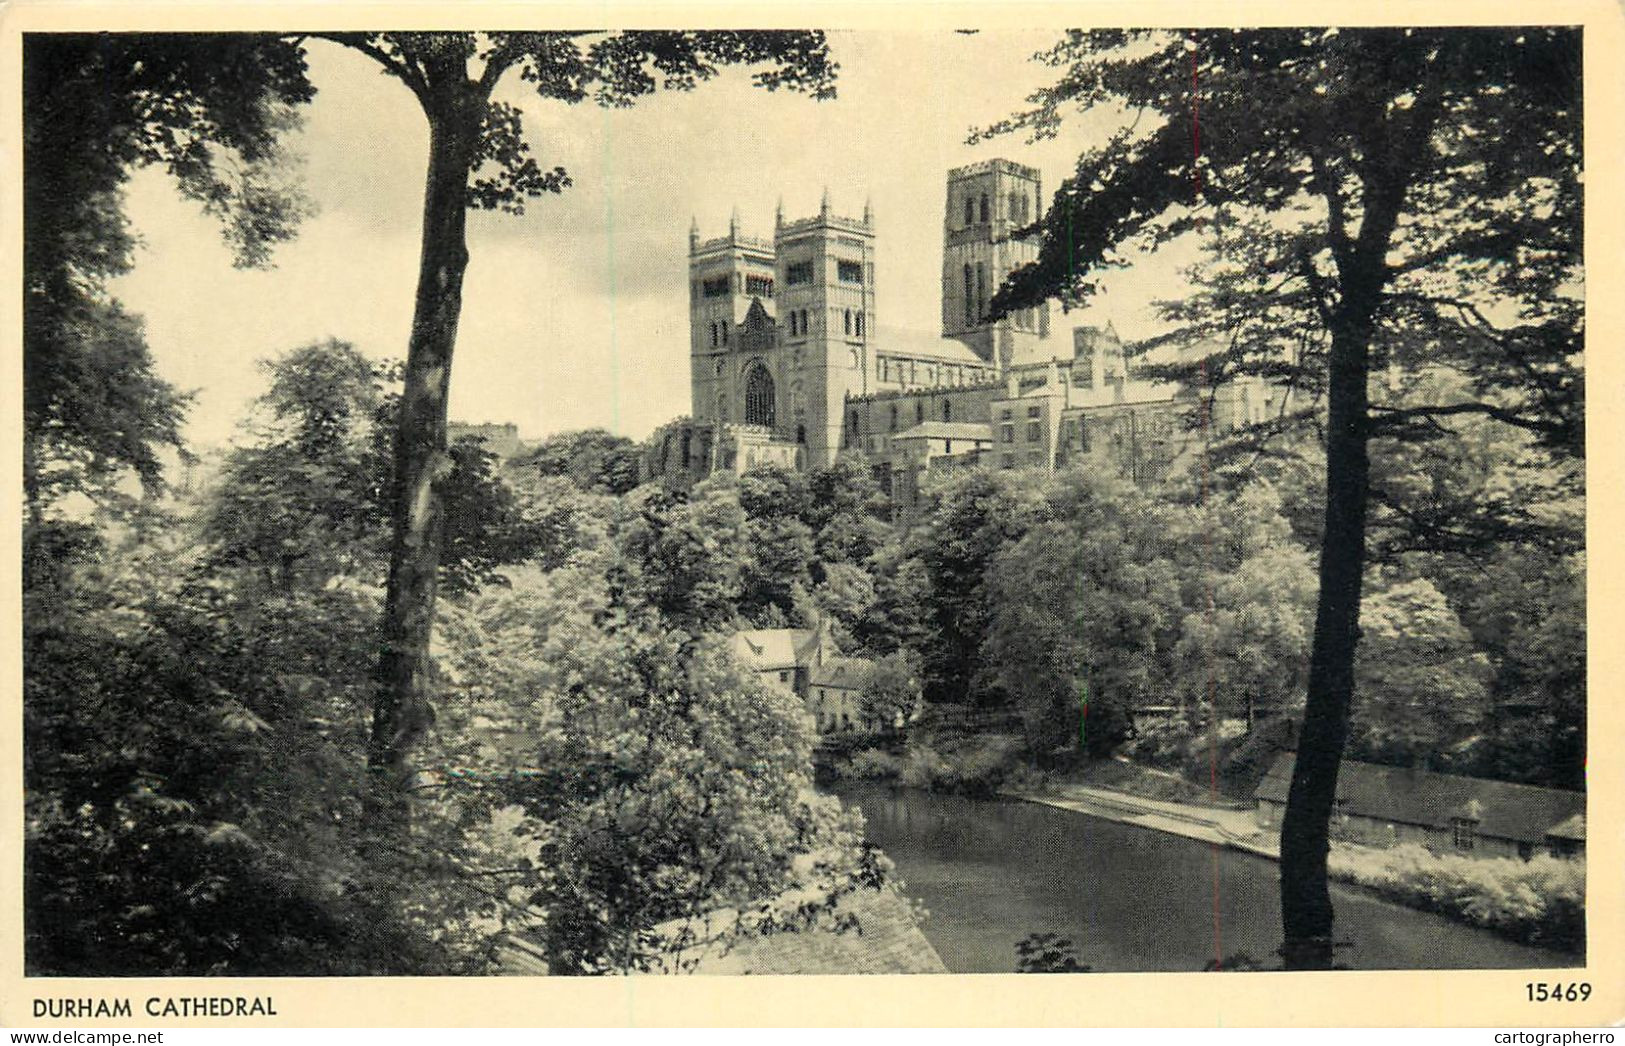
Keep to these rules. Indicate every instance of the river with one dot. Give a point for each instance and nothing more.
(991, 872)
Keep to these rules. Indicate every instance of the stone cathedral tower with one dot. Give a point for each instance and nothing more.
(779, 336)
(987, 203)
(725, 274)
(826, 314)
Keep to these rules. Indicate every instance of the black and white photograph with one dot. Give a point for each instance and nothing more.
(684, 502)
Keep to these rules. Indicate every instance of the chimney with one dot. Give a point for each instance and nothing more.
(693, 234)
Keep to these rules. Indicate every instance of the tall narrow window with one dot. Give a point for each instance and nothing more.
(981, 290)
(970, 211)
(947, 411)
(714, 341)
(984, 209)
(970, 297)
(803, 321)
(894, 417)
(847, 319)
(759, 397)
(723, 326)
(919, 413)
(860, 324)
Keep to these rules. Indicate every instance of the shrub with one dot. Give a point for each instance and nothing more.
(1164, 743)
(969, 766)
(872, 764)
(1540, 901)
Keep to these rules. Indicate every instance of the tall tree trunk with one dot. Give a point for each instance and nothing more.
(401, 709)
(1306, 904)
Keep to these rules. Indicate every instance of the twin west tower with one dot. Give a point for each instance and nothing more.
(784, 332)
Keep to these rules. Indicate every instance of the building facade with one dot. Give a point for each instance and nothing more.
(790, 365)
(1389, 806)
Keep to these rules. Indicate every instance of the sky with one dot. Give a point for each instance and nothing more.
(575, 314)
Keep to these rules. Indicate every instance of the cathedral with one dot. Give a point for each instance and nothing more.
(791, 365)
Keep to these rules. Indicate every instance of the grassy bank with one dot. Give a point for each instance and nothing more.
(1540, 901)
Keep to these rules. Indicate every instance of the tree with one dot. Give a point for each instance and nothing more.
(646, 802)
(95, 107)
(1249, 596)
(478, 157)
(1083, 611)
(1402, 195)
(1422, 684)
(891, 691)
(971, 517)
(193, 749)
(683, 555)
(320, 465)
(593, 459)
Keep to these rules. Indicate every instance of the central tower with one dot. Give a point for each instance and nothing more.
(826, 320)
(988, 204)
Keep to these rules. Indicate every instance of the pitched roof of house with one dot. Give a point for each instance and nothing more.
(845, 672)
(768, 648)
(948, 430)
(1503, 810)
(885, 939)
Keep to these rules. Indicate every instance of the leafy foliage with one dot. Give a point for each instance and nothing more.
(320, 465)
(95, 107)
(593, 459)
(1048, 953)
(191, 813)
(666, 779)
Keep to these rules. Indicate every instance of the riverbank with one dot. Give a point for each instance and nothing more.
(1224, 827)
(1539, 902)
(992, 872)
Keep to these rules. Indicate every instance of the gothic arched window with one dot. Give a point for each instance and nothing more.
(984, 208)
(759, 397)
(970, 211)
